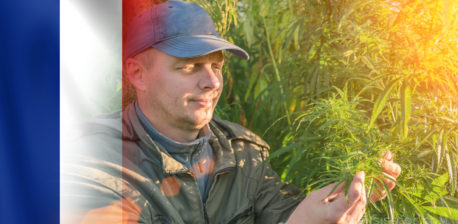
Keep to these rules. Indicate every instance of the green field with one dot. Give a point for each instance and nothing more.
(332, 83)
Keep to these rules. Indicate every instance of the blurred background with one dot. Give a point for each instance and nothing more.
(330, 84)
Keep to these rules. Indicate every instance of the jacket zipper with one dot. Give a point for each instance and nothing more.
(216, 175)
(204, 210)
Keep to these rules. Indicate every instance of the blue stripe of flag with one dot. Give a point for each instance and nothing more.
(29, 114)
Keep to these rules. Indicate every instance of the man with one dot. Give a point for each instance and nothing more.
(178, 162)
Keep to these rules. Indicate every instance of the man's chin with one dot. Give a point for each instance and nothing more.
(197, 121)
(202, 122)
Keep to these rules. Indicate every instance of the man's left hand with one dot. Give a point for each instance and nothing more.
(391, 171)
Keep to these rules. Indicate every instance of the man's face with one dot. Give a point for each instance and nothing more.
(182, 92)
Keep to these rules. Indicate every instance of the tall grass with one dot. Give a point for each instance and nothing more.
(330, 84)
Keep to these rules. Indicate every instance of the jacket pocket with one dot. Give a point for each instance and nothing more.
(243, 216)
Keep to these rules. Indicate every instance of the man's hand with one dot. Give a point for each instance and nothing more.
(322, 207)
(391, 171)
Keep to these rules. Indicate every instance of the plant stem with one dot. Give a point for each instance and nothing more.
(277, 73)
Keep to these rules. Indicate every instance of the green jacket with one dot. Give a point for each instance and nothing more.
(106, 165)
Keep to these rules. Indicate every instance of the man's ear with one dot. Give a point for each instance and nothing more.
(136, 73)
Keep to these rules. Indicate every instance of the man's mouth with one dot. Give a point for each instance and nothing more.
(203, 102)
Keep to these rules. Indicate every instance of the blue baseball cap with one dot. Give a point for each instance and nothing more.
(181, 29)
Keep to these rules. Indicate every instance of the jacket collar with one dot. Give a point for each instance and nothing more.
(223, 152)
(132, 130)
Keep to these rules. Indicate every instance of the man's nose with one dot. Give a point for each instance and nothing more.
(210, 78)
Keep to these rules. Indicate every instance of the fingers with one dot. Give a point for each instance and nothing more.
(322, 207)
(388, 165)
(318, 206)
(330, 196)
(379, 192)
(356, 189)
(389, 181)
(393, 169)
(354, 193)
(358, 195)
(356, 202)
(387, 155)
(357, 211)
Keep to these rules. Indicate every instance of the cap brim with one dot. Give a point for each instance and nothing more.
(198, 45)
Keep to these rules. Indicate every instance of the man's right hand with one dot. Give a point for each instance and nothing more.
(322, 207)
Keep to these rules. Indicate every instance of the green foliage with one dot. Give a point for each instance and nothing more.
(330, 84)
(330, 135)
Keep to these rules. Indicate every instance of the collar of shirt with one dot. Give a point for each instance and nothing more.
(181, 151)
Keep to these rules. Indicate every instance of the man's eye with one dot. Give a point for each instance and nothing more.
(187, 68)
(217, 67)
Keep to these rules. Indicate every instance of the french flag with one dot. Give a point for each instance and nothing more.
(60, 62)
